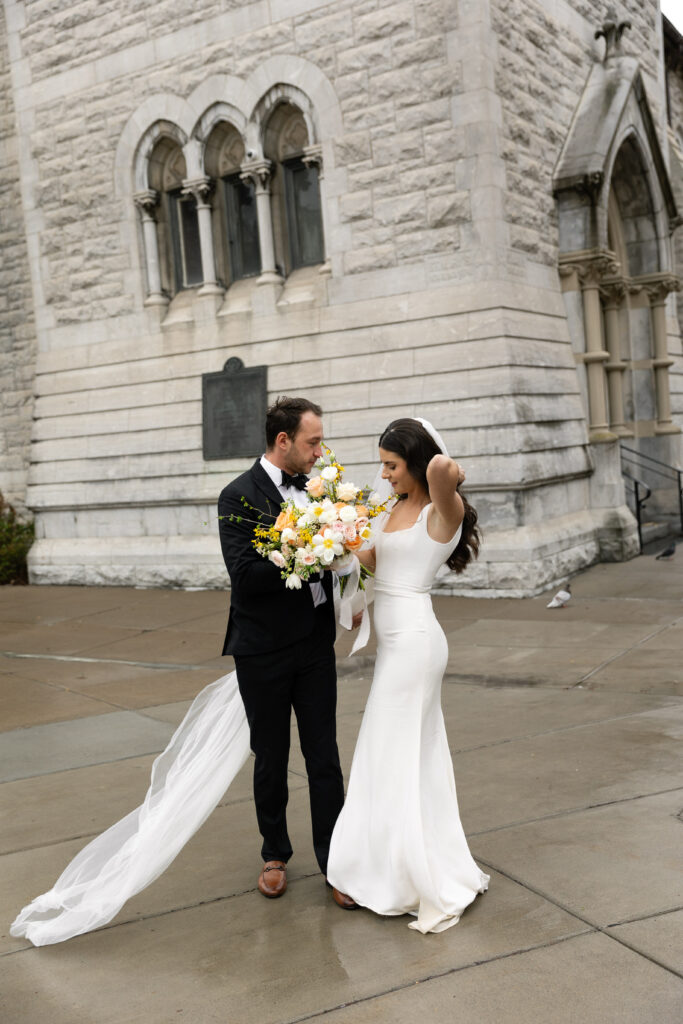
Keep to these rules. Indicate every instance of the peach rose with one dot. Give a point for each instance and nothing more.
(361, 511)
(353, 545)
(316, 487)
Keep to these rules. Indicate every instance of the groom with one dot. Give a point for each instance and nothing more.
(283, 644)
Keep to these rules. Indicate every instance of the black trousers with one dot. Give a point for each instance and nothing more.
(302, 676)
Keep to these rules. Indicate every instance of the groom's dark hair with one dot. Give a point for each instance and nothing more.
(285, 414)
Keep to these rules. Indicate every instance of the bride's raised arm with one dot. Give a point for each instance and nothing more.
(443, 477)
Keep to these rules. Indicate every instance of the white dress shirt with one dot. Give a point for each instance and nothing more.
(301, 498)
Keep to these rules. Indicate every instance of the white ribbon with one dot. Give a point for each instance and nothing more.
(354, 600)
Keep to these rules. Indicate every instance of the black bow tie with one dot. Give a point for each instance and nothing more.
(298, 480)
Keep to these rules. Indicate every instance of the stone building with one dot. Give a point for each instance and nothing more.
(456, 208)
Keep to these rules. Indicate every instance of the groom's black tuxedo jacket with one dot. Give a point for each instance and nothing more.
(264, 615)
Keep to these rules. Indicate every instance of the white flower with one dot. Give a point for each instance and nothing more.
(375, 499)
(288, 535)
(293, 582)
(348, 514)
(303, 520)
(328, 515)
(277, 559)
(329, 544)
(365, 532)
(329, 473)
(286, 551)
(347, 492)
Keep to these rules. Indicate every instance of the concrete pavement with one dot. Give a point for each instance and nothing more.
(565, 728)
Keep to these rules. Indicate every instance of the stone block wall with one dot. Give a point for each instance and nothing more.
(17, 328)
(444, 298)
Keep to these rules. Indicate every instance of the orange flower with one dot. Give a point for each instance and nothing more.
(353, 545)
(361, 510)
(284, 520)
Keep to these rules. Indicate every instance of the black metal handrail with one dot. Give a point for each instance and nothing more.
(641, 492)
(632, 457)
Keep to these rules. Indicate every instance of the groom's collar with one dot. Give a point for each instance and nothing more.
(266, 484)
(273, 471)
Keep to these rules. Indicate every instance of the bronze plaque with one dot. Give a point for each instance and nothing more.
(234, 404)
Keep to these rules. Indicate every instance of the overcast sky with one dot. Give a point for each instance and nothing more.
(674, 12)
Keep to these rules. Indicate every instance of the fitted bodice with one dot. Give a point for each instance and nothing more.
(408, 560)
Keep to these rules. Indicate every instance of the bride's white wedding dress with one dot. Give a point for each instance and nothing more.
(398, 846)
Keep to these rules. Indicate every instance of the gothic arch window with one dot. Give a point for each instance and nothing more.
(177, 223)
(630, 193)
(295, 189)
(236, 231)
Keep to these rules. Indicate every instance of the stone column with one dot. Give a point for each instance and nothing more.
(146, 202)
(259, 173)
(613, 293)
(657, 291)
(201, 189)
(313, 156)
(591, 268)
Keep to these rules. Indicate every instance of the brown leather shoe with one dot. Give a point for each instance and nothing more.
(272, 881)
(343, 901)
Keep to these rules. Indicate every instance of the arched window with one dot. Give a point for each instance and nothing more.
(630, 194)
(295, 190)
(234, 210)
(177, 223)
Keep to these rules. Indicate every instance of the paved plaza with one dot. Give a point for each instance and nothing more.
(565, 728)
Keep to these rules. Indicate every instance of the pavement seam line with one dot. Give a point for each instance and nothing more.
(574, 810)
(602, 929)
(102, 661)
(566, 728)
(436, 976)
(633, 647)
(646, 917)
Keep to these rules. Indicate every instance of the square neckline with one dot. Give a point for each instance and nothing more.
(406, 529)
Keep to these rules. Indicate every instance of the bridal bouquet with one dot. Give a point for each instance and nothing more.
(306, 538)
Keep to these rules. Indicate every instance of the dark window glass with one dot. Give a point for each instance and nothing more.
(187, 255)
(243, 243)
(304, 220)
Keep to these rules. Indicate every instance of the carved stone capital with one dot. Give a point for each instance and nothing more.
(613, 291)
(612, 31)
(591, 184)
(146, 202)
(259, 172)
(200, 188)
(658, 286)
(313, 156)
(589, 265)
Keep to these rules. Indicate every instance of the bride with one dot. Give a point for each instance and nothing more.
(398, 846)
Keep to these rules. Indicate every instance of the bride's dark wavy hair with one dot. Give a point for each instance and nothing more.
(408, 439)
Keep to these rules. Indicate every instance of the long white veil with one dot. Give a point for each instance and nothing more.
(188, 780)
